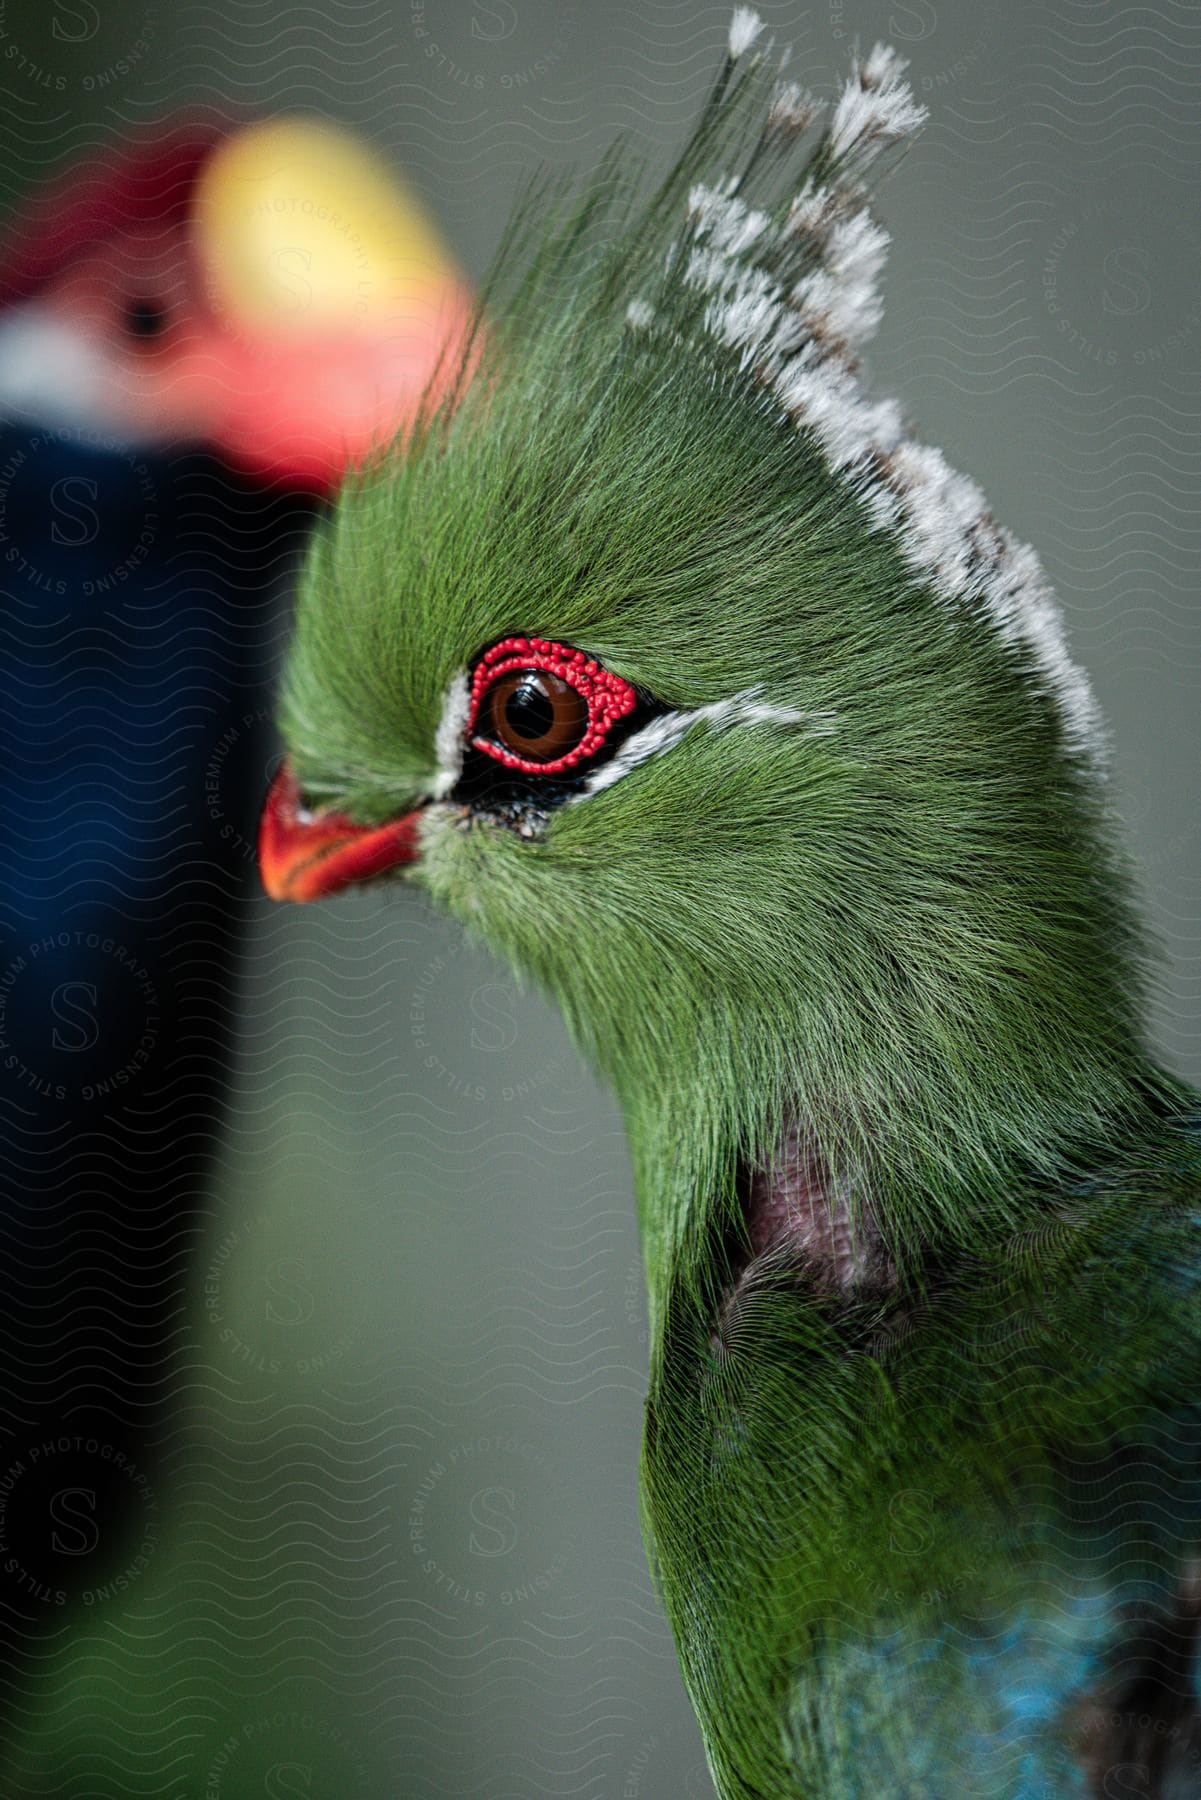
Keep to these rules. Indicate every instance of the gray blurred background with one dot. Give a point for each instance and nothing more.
(396, 1551)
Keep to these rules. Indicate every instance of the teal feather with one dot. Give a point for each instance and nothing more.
(859, 954)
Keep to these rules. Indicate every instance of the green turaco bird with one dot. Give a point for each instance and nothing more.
(678, 670)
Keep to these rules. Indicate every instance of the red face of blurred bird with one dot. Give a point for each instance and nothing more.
(273, 292)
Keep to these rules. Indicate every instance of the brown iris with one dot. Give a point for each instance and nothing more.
(535, 715)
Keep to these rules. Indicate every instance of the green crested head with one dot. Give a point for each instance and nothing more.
(723, 709)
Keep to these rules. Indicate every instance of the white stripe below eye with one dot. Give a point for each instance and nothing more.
(450, 739)
(666, 731)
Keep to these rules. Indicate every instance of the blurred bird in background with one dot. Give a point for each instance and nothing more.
(196, 335)
(679, 671)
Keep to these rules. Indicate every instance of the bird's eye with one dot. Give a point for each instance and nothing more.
(543, 707)
(535, 715)
(144, 318)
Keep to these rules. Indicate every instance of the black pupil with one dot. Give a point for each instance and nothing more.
(529, 710)
(144, 318)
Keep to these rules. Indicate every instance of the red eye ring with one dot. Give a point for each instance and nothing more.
(607, 697)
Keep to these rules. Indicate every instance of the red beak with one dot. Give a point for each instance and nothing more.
(304, 856)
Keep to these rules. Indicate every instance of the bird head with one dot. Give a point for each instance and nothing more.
(664, 657)
(271, 290)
